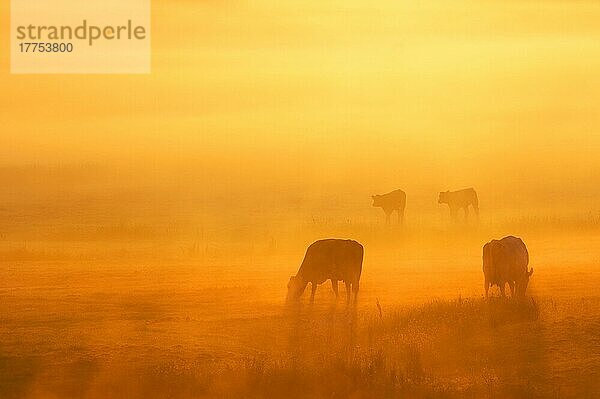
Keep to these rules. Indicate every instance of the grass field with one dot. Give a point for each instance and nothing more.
(103, 296)
(153, 311)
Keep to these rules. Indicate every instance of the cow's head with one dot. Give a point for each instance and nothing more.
(523, 283)
(376, 200)
(443, 197)
(296, 287)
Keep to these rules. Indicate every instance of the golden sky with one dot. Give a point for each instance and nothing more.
(393, 93)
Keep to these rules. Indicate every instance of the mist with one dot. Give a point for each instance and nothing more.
(150, 224)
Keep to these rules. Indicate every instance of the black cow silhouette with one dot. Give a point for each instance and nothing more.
(506, 261)
(390, 202)
(460, 199)
(331, 259)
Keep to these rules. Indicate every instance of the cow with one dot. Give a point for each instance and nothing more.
(330, 259)
(390, 202)
(460, 199)
(506, 261)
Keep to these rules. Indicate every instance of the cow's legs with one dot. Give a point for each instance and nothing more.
(348, 291)
(334, 285)
(486, 287)
(313, 287)
(511, 286)
(355, 287)
(388, 214)
(502, 289)
(466, 213)
(401, 215)
(453, 214)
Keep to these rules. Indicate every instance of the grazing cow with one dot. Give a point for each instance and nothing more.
(460, 199)
(390, 202)
(332, 259)
(506, 261)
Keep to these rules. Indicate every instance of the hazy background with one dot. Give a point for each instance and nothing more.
(269, 102)
(149, 224)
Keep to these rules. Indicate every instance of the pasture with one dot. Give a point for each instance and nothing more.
(178, 310)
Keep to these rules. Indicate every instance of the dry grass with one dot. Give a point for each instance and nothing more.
(166, 309)
(152, 345)
(445, 349)
(442, 349)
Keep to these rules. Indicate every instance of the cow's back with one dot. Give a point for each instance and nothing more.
(332, 259)
(463, 197)
(505, 259)
(518, 255)
(396, 198)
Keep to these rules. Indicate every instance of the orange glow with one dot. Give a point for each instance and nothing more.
(149, 224)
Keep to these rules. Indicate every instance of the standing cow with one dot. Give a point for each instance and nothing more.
(331, 259)
(460, 199)
(506, 261)
(390, 202)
